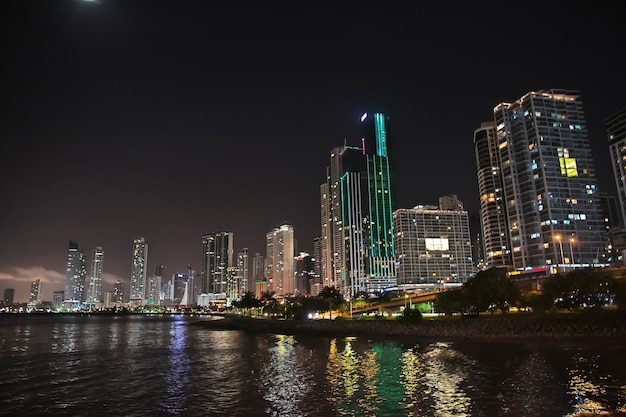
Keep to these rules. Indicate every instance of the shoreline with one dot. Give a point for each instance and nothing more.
(485, 328)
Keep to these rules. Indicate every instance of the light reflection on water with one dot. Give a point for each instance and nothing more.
(137, 366)
(286, 379)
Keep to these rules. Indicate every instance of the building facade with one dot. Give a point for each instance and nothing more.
(76, 274)
(433, 247)
(495, 247)
(139, 270)
(279, 260)
(615, 126)
(242, 265)
(356, 214)
(549, 188)
(34, 297)
(217, 257)
(94, 288)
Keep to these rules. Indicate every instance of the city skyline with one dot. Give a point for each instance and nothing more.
(147, 119)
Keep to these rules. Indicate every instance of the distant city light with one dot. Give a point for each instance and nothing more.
(364, 116)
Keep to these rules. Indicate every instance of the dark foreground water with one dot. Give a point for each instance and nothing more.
(161, 366)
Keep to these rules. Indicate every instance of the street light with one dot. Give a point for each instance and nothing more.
(558, 237)
(571, 251)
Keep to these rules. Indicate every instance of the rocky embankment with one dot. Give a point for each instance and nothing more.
(500, 327)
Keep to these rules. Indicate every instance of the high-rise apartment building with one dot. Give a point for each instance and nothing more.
(258, 275)
(279, 265)
(356, 214)
(34, 297)
(242, 265)
(217, 257)
(9, 294)
(433, 246)
(118, 292)
(495, 246)
(94, 288)
(549, 187)
(616, 130)
(139, 270)
(76, 274)
(154, 286)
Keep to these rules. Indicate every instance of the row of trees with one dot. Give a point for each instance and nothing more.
(491, 290)
(300, 307)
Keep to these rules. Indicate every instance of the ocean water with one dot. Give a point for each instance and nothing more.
(136, 365)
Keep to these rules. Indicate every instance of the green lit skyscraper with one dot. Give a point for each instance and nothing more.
(357, 231)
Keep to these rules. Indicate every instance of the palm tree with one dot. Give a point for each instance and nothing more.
(333, 296)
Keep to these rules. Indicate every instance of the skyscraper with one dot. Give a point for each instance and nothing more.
(616, 130)
(94, 290)
(356, 204)
(549, 187)
(495, 247)
(76, 275)
(433, 246)
(217, 257)
(118, 292)
(155, 282)
(138, 270)
(258, 275)
(9, 293)
(280, 266)
(35, 292)
(242, 265)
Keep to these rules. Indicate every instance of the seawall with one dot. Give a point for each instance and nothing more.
(499, 327)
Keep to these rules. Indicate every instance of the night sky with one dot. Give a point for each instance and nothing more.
(171, 119)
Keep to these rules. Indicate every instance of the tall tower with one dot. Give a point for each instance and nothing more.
(242, 264)
(358, 224)
(76, 274)
(35, 292)
(280, 260)
(154, 285)
(551, 202)
(94, 290)
(495, 247)
(258, 275)
(616, 130)
(217, 257)
(138, 270)
(118, 292)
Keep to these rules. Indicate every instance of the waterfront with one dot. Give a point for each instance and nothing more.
(139, 365)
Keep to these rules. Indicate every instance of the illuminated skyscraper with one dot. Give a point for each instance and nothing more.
(616, 130)
(496, 251)
(549, 188)
(138, 270)
(94, 290)
(356, 203)
(154, 286)
(217, 257)
(433, 246)
(76, 274)
(242, 265)
(279, 261)
(258, 275)
(118, 292)
(35, 292)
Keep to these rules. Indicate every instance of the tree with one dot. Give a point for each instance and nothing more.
(451, 301)
(582, 288)
(411, 315)
(247, 302)
(490, 290)
(333, 298)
